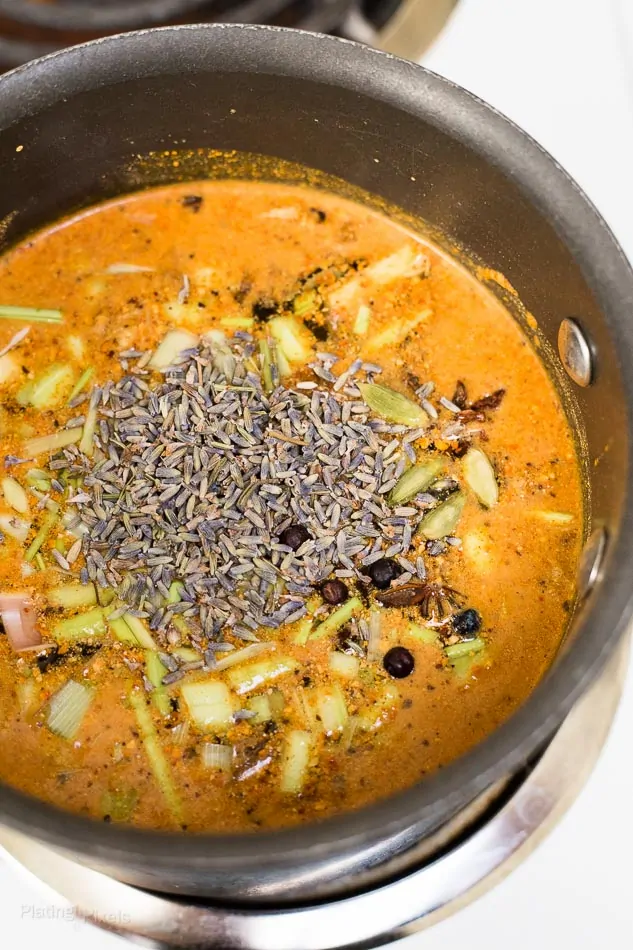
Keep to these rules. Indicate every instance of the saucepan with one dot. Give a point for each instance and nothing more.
(72, 128)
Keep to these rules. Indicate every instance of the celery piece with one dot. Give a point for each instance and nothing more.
(15, 495)
(210, 704)
(141, 633)
(72, 596)
(245, 679)
(466, 648)
(337, 619)
(392, 405)
(422, 634)
(48, 524)
(48, 391)
(89, 624)
(67, 709)
(120, 804)
(155, 669)
(31, 314)
(415, 480)
(295, 761)
(331, 709)
(260, 705)
(15, 527)
(154, 751)
(51, 443)
(81, 384)
(344, 665)
(292, 339)
(172, 345)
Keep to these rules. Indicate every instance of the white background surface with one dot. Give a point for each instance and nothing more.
(563, 69)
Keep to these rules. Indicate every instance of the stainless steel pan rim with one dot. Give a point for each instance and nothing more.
(410, 90)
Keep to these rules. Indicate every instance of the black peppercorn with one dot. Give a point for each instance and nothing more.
(383, 572)
(467, 624)
(334, 592)
(398, 662)
(294, 536)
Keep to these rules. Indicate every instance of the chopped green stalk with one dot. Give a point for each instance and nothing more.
(553, 517)
(89, 624)
(331, 709)
(27, 696)
(266, 364)
(216, 756)
(398, 331)
(260, 705)
(468, 647)
(463, 666)
(392, 405)
(376, 716)
(173, 344)
(40, 563)
(67, 709)
(345, 665)
(240, 656)
(155, 754)
(31, 314)
(175, 592)
(72, 596)
(304, 630)
(237, 322)
(81, 383)
(15, 495)
(415, 480)
(296, 760)
(422, 634)
(480, 477)
(51, 443)
(337, 619)
(121, 631)
(155, 669)
(49, 390)
(15, 527)
(38, 478)
(140, 631)
(120, 804)
(187, 654)
(48, 524)
(210, 704)
(105, 596)
(306, 303)
(291, 338)
(361, 323)
(162, 701)
(245, 679)
(443, 520)
(86, 443)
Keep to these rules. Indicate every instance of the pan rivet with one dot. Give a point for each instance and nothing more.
(591, 562)
(575, 352)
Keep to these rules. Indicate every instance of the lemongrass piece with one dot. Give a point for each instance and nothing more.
(344, 665)
(291, 338)
(18, 619)
(48, 390)
(260, 706)
(15, 527)
(8, 368)
(140, 631)
(295, 761)
(241, 656)
(373, 642)
(266, 366)
(179, 735)
(15, 495)
(73, 596)
(67, 709)
(442, 521)
(480, 477)
(38, 478)
(245, 679)
(48, 524)
(398, 331)
(123, 268)
(337, 619)
(76, 346)
(154, 668)
(361, 323)
(422, 634)
(406, 262)
(13, 342)
(27, 696)
(81, 384)
(415, 480)
(216, 756)
(553, 517)
(210, 704)
(89, 624)
(172, 345)
(237, 322)
(86, 443)
(121, 630)
(51, 443)
(331, 710)
(32, 314)
(187, 654)
(392, 405)
(156, 756)
(381, 710)
(466, 648)
(306, 303)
